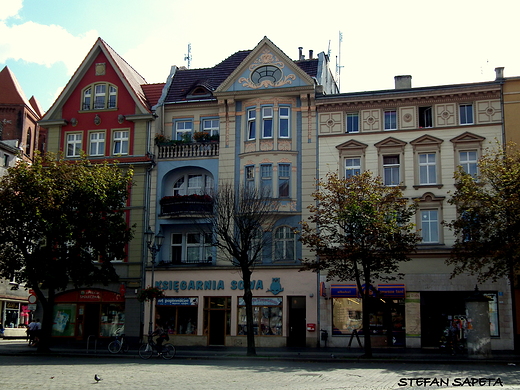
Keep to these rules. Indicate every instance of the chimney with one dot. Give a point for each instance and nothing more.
(311, 52)
(499, 73)
(300, 57)
(403, 82)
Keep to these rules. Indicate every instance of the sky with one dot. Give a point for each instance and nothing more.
(370, 41)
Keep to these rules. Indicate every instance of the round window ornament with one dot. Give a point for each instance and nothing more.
(266, 74)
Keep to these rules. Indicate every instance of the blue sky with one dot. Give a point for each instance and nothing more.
(441, 42)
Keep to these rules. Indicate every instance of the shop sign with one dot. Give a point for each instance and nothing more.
(12, 305)
(392, 290)
(206, 285)
(343, 291)
(89, 295)
(262, 301)
(177, 301)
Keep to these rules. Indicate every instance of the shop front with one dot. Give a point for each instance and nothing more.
(88, 312)
(207, 308)
(15, 318)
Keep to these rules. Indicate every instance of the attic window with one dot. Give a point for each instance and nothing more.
(199, 91)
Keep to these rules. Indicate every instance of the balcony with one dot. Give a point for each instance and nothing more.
(186, 205)
(188, 150)
(186, 262)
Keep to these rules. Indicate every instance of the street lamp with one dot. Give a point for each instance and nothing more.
(154, 246)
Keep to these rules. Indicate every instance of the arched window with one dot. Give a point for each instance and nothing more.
(103, 97)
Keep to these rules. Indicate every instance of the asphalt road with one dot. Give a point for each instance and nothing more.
(43, 372)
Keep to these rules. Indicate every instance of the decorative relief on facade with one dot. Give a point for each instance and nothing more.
(489, 111)
(97, 120)
(370, 120)
(445, 115)
(250, 147)
(331, 123)
(284, 145)
(407, 117)
(267, 71)
(266, 145)
(100, 69)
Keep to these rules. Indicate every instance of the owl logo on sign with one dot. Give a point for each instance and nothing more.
(275, 288)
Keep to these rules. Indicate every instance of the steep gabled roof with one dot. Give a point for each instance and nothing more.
(10, 90)
(153, 93)
(130, 77)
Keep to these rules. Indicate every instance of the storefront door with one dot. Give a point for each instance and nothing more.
(217, 312)
(297, 324)
(91, 320)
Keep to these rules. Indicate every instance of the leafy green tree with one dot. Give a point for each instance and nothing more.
(359, 230)
(239, 221)
(62, 222)
(487, 227)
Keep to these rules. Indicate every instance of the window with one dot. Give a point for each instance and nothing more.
(468, 162)
(121, 142)
(181, 319)
(250, 176)
(105, 96)
(284, 127)
(267, 316)
(183, 130)
(284, 177)
(430, 226)
(391, 168)
(251, 124)
(427, 168)
(425, 117)
(267, 122)
(74, 144)
(352, 166)
(284, 244)
(211, 126)
(390, 119)
(466, 114)
(347, 315)
(353, 122)
(97, 144)
(189, 184)
(266, 179)
(191, 248)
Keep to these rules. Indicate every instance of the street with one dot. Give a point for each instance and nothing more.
(43, 372)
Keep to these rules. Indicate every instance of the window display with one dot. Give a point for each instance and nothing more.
(267, 317)
(112, 319)
(178, 319)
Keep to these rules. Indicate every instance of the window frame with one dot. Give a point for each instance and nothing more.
(427, 165)
(288, 244)
(284, 119)
(251, 124)
(266, 178)
(203, 246)
(212, 130)
(122, 141)
(463, 114)
(100, 144)
(468, 161)
(393, 120)
(352, 167)
(76, 143)
(267, 122)
(284, 180)
(349, 126)
(391, 167)
(93, 99)
(180, 134)
(430, 222)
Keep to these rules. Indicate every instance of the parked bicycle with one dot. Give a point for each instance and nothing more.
(119, 344)
(146, 350)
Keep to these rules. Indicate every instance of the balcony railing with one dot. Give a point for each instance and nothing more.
(186, 205)
(187, 150)
(186, 262)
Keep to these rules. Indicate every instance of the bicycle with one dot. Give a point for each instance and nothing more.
(147, 349)
(119, 344)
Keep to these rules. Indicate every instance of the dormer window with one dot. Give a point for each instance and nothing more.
(199, 92)
(100, 96)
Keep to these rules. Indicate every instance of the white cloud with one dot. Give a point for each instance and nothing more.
(9, 8)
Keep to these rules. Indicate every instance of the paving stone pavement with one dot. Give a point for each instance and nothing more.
(70, 372)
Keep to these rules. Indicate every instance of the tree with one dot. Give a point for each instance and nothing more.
(359, 230)
(62, 222)
(487, 227)
(239, 221)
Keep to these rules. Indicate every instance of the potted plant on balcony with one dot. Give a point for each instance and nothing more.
(150, 293)
(201, 136)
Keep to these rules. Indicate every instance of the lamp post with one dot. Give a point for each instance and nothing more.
(154, 246)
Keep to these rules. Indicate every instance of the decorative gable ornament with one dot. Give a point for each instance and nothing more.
(266, 71)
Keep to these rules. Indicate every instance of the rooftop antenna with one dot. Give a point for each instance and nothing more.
(328, 50)
(187, 57)
(338, 62)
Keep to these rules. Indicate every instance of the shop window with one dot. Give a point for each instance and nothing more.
(347, 315)
(112, 319)
(267, 317)
(178, 319)
(64, 319)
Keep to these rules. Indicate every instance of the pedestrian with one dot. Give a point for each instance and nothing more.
(162, 336)
(34, 332)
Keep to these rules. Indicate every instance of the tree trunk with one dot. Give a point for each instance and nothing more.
(46, 331)
(248, 300)
(367, 344)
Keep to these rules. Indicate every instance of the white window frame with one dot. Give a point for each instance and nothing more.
(284, 122)
(352, 166)
(184, 185)
(430, 226)
(284, 241)
(466, 163)
(182, 128)
(267, 122)
(121, 141)
(391, 167)
(392, 125)
(425, 175)
(74, 140)
(466, 121)
(211, 126)
(251, 124)
(97, 143)
(203, 246)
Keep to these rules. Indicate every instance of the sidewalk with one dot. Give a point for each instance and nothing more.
(20, 348)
